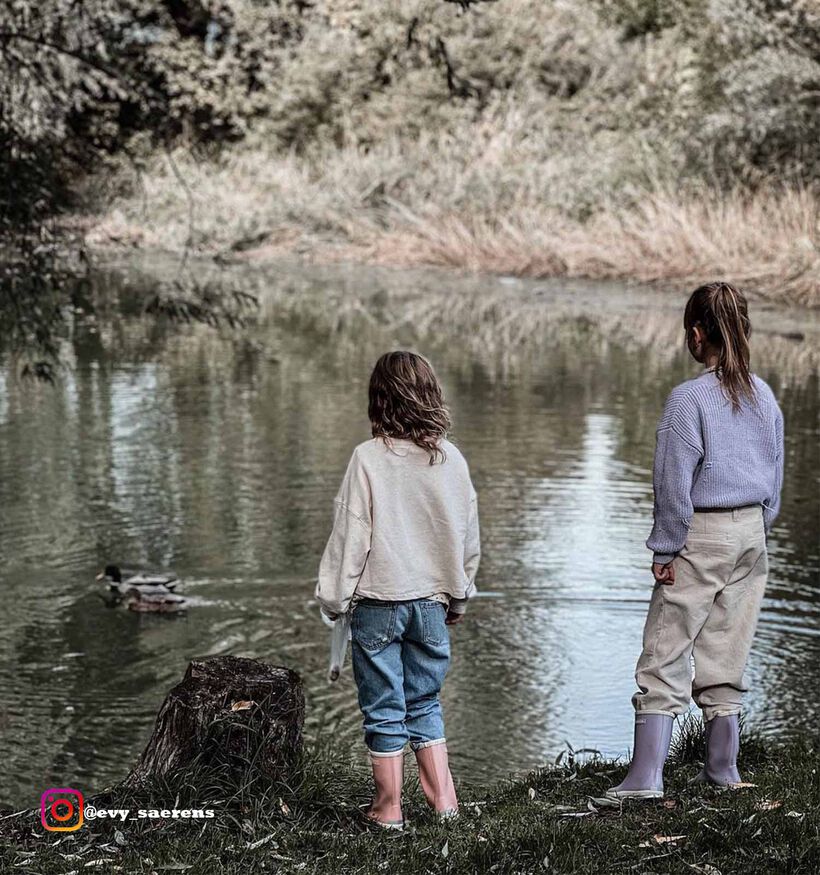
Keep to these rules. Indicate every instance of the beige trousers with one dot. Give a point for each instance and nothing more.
(710, 613)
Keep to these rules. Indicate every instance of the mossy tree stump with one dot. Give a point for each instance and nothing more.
(228, 715)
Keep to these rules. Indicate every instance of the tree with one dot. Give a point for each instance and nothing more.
(77, 79)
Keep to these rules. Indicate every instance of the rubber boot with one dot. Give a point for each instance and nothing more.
(644, 780)
(436, 780)
(722, 746)
(388, 776)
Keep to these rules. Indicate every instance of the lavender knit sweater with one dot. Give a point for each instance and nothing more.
(710, 456)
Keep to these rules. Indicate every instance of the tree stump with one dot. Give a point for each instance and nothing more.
(227, 714)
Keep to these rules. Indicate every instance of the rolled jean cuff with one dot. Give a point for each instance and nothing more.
(420, 745)
(386, 753)
(712, 711)
(640, 711)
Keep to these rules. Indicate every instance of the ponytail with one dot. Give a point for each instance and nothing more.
(723, 314)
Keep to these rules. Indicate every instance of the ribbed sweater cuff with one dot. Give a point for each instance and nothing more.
(663, 558)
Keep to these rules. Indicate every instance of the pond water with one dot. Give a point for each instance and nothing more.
(219, 458)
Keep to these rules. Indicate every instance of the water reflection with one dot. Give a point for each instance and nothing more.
(220, 459)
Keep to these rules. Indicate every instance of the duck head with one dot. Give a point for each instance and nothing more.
(112, 573)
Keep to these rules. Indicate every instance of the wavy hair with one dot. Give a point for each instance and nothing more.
(406, 402)
(722, 312)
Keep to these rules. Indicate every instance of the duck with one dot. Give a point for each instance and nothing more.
(137, 599)
(147, 583)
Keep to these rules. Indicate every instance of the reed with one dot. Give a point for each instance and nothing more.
(361, 207)
(767, 241)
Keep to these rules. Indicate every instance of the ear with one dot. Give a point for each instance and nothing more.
(698, 335)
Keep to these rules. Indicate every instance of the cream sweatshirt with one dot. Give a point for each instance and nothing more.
(403, 529)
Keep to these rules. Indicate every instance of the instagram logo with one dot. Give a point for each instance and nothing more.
(61, 809)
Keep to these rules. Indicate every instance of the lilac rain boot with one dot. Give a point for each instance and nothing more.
(388, 776)
(436, 780)
(644, 780)
(722, 746)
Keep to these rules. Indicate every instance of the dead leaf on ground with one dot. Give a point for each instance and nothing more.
(768, 804)
(658, 839)
(252, 846)
(284, 807)
(531, 792)
(670, 803)
(603, 802)
(242, 705)
(742, 785)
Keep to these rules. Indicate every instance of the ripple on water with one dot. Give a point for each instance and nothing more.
(227, 475)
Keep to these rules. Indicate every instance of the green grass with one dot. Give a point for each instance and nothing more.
(547, 821)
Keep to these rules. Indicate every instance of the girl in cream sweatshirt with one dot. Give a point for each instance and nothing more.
(403, 557)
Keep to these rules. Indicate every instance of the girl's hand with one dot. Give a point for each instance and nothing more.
(453, 618)
(663, 573)
(328, 616)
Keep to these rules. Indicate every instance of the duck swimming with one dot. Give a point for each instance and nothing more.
(142, 591)
(137, 599)
(147, 583)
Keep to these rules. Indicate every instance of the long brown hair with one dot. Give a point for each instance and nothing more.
(720, 309)
(406, 401)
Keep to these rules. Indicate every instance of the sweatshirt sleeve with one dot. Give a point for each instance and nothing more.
(472, 556)
(678, 452)
(349, 544)
(772, 507)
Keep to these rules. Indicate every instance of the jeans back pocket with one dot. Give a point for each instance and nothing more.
(434, 629)
(373, 625)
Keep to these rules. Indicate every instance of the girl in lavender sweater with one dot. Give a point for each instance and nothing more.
(717, 478)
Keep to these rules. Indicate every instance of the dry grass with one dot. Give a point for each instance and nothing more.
(769, 242)
(423, 209)
(601, 143)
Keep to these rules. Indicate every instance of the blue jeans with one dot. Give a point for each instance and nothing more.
(401, 652)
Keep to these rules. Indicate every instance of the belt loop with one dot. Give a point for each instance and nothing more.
(735, 513)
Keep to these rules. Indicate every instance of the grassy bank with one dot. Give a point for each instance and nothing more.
(548, 821)
(257, 206)
(654, 140)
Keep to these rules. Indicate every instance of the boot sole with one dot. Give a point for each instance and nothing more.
(395, 827)
(634, 794)
(703, 778)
